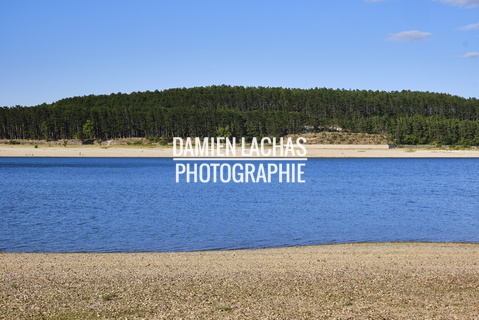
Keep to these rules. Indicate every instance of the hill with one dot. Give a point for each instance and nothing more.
(405, 117)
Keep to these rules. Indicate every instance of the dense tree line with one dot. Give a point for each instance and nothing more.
(408, 117)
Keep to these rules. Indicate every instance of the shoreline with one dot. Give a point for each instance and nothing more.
(399, 280)
(313, 151)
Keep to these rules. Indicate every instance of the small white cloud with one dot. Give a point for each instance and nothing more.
(471, 55)
(409, 36)
(474, 26)
(462, 3)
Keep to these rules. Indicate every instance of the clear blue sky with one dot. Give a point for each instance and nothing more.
(53, 49)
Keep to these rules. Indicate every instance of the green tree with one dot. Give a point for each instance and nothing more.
(223, 132)
(45, 129)
(89, 129)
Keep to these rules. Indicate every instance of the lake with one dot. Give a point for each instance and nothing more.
(134, 205)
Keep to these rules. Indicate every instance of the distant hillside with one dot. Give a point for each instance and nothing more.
(405, 117)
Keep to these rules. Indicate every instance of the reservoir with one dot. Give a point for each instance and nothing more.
(135, 205)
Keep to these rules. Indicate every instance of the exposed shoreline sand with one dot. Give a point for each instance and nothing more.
(313, 151)
(345, 281)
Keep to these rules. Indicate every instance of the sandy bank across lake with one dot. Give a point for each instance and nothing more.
(313, 151)
(346, 281)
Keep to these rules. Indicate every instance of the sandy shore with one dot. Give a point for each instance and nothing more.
(313, 151)
(349, 281)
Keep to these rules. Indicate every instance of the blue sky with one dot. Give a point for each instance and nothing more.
(56, 49)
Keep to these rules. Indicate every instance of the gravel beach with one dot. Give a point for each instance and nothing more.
(343, 281)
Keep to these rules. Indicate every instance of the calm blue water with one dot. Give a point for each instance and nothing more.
(127, 204)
